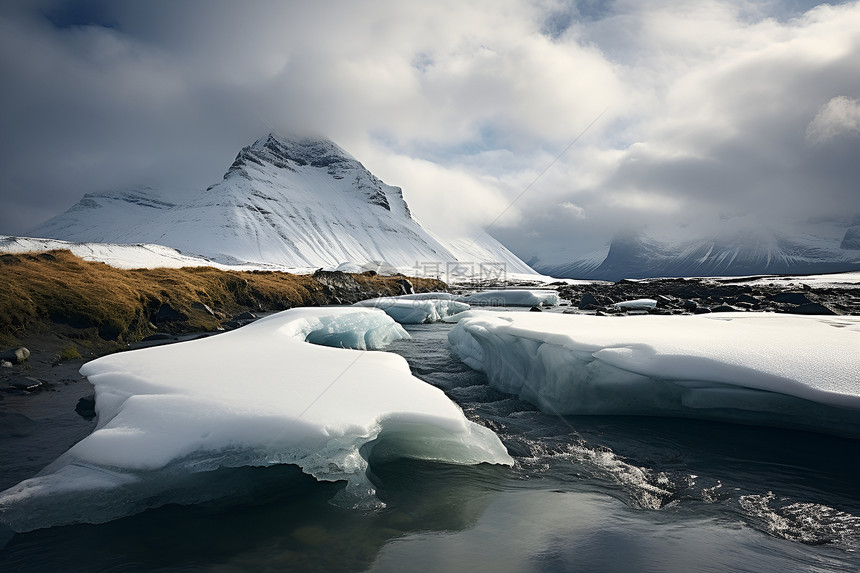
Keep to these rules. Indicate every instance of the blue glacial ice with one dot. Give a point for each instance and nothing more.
(417, 308)
(769, 369)
(257, 396)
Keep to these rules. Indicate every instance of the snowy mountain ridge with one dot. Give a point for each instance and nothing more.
(294, 202)
(740, 246)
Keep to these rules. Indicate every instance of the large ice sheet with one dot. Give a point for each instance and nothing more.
(259, 395)
(747, 367)
(417, 308)
(513, 297)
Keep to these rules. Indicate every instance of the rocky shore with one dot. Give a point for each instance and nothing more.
(703, 295)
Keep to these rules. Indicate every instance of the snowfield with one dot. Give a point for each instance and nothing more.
(789, 371)
(257, 396)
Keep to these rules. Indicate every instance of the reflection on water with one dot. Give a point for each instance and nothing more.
(586, 494)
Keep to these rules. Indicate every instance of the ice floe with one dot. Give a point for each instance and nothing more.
(512, 297)
(417, 308)
(637, 304)
(788, 371)
(256, 396)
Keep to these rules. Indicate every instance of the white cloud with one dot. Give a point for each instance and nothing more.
(840, 117)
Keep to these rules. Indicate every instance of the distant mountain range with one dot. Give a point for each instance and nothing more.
(734, 247)
(285, 200)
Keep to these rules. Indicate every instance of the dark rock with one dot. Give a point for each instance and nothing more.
(725, 308)
(790, 298)
(406, 286)
(701, 310)
(86, 407)
(25, 383)
(535, 309)
(591, 301)
(15, 355)
(158, 336)
(246, 316)
(167, 313)
(204, 307)
(812, 308)
(340, 284)
(690, 304)
(743, 297)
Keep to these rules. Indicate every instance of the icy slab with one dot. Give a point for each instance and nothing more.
(637, 304)
(513, 297)
(257, 396)
(417, 308)
(788, 371)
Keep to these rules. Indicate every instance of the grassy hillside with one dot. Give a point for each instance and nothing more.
(93, 300)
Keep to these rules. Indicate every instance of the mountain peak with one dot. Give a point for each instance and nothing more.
(290, 152)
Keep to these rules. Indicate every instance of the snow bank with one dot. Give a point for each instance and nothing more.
(513, 297)
(417, 308)
(746, 367)
(256, 396)
(132, 256)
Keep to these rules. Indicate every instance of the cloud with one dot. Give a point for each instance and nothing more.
(840, 117)
(720, 106)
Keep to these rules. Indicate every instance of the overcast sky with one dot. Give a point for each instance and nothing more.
(634, 110)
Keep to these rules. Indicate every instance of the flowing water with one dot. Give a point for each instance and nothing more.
(586, 493)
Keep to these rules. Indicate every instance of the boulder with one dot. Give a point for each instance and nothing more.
(15, 355)
(812, 308)
(86, 407)
(167, 313)
(204, 307)
(406, 286)
(790, 298)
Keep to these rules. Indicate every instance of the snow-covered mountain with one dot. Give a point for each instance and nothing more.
(289, 201)
(734, 247)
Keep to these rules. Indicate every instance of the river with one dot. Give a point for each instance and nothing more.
(587, 493)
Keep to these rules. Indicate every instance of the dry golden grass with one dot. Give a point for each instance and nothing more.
(58, 287)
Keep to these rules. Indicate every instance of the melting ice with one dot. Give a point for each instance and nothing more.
(417, 308)
(513, 297)
(788, 371)
(259, 395)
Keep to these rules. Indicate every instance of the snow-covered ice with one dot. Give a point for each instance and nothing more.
(637, 304)
(790, 371)
(417, 308)
(513, 297)
(256, 396)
